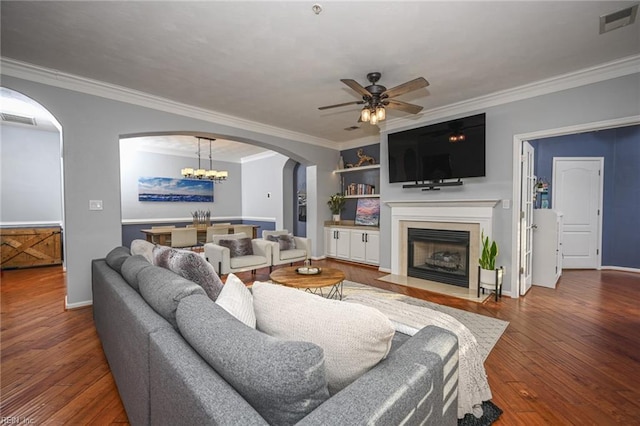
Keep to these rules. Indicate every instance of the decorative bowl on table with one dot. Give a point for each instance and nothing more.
(308, 270)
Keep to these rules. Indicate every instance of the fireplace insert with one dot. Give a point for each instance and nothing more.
(439, 255)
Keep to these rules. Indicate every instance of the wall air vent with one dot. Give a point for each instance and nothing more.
(12, 118)
(618, 19)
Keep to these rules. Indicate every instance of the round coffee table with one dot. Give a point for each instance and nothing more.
(316, 283)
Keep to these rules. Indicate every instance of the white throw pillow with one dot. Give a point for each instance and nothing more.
(144, 248)
(236, 299)
(354, 337)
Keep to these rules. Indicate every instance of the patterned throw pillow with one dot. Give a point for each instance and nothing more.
(239, 247)
(285, 242)
(191, 266)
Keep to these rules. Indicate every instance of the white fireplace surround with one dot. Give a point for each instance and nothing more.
(454, 211)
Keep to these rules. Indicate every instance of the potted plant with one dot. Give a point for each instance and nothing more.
(336, 205)
(487, 262)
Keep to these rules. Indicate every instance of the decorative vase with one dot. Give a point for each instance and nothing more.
(336, 218)
(341, 163)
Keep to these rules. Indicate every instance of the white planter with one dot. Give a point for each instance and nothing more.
(336, 218)
(488, 277)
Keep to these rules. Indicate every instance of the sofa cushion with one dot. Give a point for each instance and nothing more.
(354, 337)
(163, 290)
(282, 380)
(247, 261)
(238, 247)
(116, 257)
(292, 254)
(131, 267)
(236, 299)
(143, 247)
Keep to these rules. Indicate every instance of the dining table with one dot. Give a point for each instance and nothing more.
(163, 235)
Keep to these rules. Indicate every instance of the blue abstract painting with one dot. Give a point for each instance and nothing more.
(175, 190)
(368, 211)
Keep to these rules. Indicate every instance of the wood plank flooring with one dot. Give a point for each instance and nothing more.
(570, 356)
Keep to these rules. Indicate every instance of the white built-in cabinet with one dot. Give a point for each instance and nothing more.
(337, 242)
(547, 247)
(354, 244)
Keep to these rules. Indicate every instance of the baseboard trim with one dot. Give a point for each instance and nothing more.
(620, 268)
(76, 305)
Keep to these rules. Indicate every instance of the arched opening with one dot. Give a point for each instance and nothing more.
(32, 190)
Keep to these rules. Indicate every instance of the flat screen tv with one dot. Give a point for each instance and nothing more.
(450, 150)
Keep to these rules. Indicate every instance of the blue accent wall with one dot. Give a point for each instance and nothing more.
(621, 204)
(369, 177)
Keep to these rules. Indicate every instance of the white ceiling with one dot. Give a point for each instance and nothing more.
(276, 62)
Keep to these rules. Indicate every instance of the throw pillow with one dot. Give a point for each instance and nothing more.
(191, 266)
(287, 242)
(131, 267)
(354, 337)
(239, 247)
(143, 247)
(236, 299)
(284, 381)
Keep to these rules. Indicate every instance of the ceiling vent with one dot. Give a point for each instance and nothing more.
(351, 128)
(618, 19)
(12, 118)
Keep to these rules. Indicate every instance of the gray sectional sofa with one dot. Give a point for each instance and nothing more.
(157, 328)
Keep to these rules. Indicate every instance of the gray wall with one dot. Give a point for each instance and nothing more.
(262, 195)
(601, 101)
(31, 177)
(227, 202)
(92, 127)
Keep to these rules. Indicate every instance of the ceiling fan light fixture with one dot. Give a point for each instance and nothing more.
(374, 118)
(365, 115)
(381, 113)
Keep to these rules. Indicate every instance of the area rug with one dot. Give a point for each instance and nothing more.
(486, 330)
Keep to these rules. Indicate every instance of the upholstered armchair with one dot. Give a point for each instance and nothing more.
(288, 249)
(237, 253)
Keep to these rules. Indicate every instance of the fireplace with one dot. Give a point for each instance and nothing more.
(440, 255)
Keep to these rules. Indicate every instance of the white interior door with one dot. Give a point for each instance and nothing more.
(577, 193)
(526, 217)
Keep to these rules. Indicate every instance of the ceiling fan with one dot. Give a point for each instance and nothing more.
(376, 97)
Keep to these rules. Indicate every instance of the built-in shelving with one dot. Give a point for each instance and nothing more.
(357, 169)
(363, 196)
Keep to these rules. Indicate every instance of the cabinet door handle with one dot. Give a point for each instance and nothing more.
(362, 238)
(366, 238)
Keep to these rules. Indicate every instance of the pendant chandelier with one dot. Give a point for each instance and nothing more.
(200, 173)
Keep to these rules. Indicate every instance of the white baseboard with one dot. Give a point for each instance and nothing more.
(77, 305)
(385, 270)
(620, 268)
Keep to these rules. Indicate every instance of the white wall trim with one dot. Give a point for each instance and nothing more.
(602, 72)
(620, 268)
(517, 177)
(55, 78)
(190, 219)
(28, 224)
(76, 305)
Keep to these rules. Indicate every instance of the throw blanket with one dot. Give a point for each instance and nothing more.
(473, 387)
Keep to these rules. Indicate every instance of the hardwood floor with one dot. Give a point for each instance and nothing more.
(570, 356)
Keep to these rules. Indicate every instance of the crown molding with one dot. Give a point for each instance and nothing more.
(256, 157)
(595, 74)
(30, 72)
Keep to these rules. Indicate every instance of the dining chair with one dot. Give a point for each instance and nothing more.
(184, 238)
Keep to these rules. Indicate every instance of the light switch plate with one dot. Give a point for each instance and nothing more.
(95, 204)
(506, 204)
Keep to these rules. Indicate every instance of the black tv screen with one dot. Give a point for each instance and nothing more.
(450, 150)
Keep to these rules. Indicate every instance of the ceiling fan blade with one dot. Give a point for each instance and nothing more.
(403, 106)
(407, 87)
(339, 105)
(356, 86)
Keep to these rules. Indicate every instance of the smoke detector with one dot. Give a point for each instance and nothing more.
(618, 19)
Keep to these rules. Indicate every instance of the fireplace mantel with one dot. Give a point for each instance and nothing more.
(403, 212)
(443, 203)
